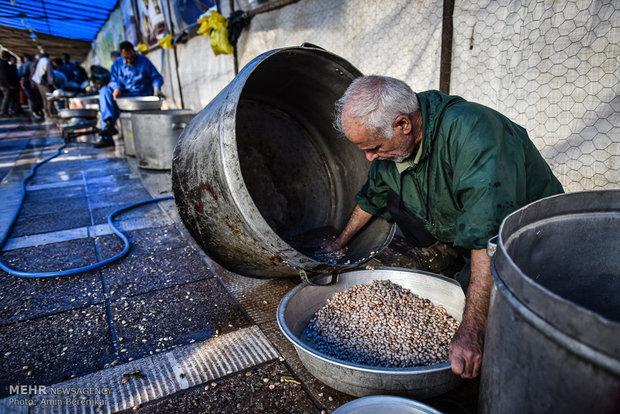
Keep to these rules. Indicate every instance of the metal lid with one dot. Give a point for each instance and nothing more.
(385, 404)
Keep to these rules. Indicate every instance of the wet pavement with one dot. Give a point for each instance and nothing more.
(163, 330)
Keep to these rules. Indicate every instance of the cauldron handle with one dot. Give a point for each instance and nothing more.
(311, 45)
(492, 245)
(304, 278)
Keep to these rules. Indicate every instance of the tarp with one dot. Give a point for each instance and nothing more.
(19, 42)
(62, 19)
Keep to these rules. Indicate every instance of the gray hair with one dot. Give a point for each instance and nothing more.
(376, 101)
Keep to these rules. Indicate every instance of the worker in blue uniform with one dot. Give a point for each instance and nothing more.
(132, 74)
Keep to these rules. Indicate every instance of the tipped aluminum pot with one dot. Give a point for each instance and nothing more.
(262, 165)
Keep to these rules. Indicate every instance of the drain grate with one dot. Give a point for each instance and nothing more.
(159, 376)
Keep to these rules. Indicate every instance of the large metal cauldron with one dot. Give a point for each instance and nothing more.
(301, 303)
(127, 131)
(553, 335)
(262, 165)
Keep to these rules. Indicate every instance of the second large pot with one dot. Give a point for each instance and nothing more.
(155, 134)
(262, 166)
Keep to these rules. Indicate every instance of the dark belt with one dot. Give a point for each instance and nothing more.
(411, 226)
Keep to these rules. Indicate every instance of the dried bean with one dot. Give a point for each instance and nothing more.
(382, 324)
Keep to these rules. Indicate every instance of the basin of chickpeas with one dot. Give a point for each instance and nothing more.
(376, 331)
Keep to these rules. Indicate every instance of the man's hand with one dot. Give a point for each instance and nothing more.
(466, 351)
(358, 219)
(117, 93)
(468, 342)
(330, 246)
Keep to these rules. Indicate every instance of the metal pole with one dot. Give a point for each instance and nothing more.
(445, 67)
(174, 53)
(235, 59)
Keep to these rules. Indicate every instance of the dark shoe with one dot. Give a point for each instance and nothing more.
(109, 129)
(105, 141)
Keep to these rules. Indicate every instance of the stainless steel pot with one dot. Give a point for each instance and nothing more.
(139, 103)
(127, 132)
(155, 134)
(262, 165)
(553, 335)
(300, 304)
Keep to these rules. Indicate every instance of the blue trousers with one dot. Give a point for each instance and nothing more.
(107, 106)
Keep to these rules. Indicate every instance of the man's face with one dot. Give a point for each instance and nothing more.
(129, 56)
(398, 148)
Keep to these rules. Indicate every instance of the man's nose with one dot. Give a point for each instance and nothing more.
(370, 155)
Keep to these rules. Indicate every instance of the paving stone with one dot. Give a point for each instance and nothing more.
(107, 187)
(143, 242)
(59, 165)
(48, 177)
(159, 320)
(32, 208)
(71, 191)
(118, 198)
(141, 274)
(28, 298)
(147, 211)
(246, 392)
(51, 349)
(53, 256)
(45, 223)
(101, 167)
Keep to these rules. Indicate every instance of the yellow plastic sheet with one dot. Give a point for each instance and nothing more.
(166, 41)
(214, 26)
(142, 48)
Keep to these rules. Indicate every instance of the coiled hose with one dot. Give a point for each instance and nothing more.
(68, 272)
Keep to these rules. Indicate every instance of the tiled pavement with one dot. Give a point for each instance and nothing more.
(203, 339)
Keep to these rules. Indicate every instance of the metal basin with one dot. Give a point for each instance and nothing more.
(84, 102)
(139, 103)
(384, 404)
(77, 113)
(301, 303)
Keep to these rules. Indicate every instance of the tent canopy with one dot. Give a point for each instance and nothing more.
(52, 25)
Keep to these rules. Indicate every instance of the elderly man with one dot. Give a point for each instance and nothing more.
(132, 74)
(445, 170)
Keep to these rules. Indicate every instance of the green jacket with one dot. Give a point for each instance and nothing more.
(475, 167)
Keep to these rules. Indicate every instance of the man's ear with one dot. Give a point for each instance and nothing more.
(404, 122)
